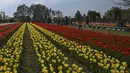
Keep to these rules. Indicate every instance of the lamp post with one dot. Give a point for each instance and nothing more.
(110, 28)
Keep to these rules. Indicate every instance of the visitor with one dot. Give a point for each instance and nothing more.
(80, 26)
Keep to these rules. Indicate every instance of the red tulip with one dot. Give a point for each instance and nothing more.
(113, 42)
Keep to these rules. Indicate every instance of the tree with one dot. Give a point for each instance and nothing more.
(118, 15)
(67, 20)
(5, 18)
(58, 13)
(85, 18)
(38, 12)
(42, 13)
(78, 16)
(16, 16)
(53, 13)
(121, 2)
(2, 16)
(22, 12)
(55, 20)
(59, 16)
(48, 15)
(115, 14)
(126, 14)
(11, 19)
(93, 16)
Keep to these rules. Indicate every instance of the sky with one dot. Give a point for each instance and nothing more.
(68, 7)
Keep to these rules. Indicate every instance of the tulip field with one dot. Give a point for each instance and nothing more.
(47, 48)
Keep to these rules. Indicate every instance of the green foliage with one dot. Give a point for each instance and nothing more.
(78, 16)
(114, 13)
(126, 13)
(36, 13)
(5, 18)
(125, 3)
(85, 18)
(93, 15)
(39, 12)
(22, 13)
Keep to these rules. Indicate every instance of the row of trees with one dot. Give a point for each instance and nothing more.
(41, 13)
(91, 16)
(115, 14)
(125, 3)
(5, 18)
(36, 12)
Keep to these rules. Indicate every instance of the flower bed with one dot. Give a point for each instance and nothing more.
(10, 53)
(95, 61)
(51, 59)
(104, 41)
(11, 27)
(3, 27)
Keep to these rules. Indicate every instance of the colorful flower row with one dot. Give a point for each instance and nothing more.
(11, 29)
(96, 60)
(105, 41)
(52, 60)
(3, 27)
(10, 53)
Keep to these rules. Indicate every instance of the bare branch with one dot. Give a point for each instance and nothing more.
(125, 3)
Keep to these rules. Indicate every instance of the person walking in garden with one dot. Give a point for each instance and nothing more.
(80, 26)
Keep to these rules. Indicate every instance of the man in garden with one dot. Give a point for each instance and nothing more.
(80, 26)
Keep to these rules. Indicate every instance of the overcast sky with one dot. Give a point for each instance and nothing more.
(68, 7)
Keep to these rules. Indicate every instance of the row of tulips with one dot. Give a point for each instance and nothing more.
(51, 59)
(105, 41)
(10, 53)
(97, 61)
(3, 27)
(11, 29)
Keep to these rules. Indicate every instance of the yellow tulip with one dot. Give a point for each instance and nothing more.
(52, 69)
(122, 71)
(124, 64)
(60, 67)
(113, 71)
(60, 71)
